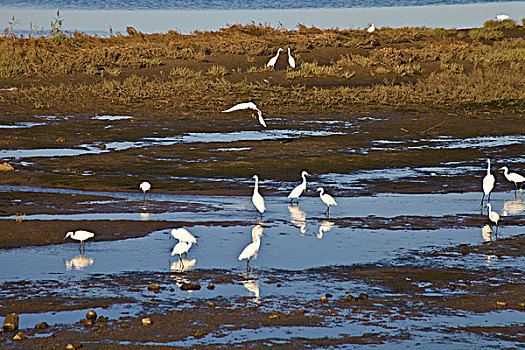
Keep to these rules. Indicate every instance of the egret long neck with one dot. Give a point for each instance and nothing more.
(256, 188)
(304, 180)
(488, 167)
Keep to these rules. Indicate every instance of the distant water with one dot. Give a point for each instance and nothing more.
(225, 4)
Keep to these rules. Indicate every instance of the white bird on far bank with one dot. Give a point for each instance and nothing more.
(145, 186)
(326, 198)
(257, 199)
(251, 250)
(371, 29)
(299, 189)
(488, 184)
(82, 236)
(494, 217)
(273, 60)
(248, 105)
(183, 235)
(291, 60)
(502, 17)
(513, 177)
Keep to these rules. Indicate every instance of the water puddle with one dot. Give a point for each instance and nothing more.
(21, 125)
(111, 117)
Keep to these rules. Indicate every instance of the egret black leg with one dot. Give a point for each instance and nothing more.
(482, 198)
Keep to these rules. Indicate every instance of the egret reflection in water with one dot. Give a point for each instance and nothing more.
(297, 218)
(325, 227)
(513, 206)
(253, 287)
(182, 265)
(486, 233)
(79, 262)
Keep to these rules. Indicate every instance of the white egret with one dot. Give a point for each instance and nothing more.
(145, 186)
(371, 29)
(513, 177)
(502, 17)
(80, 235)
(326, 198)
(183, 235)
(273, 60)
(299, 189)
(291, 60)
(247, 105)
(494, 217)
(486, 233)
(488, 184)
(325, 227)
(252, 249)
(181, 248)
(257, 199)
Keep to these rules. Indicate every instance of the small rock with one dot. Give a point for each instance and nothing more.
(501, 303)
(101, 146)
(328, 295)
(70, 347)
(6, 167)
(60, 140)
(274, 316)
(87, 323)
(190, 286)
(349, 297)
(211, 286)
(102, 319)
(198, 335)
(278, 285)
(212, 304)
(11, 322)
(324, 299)
(19, 336)
(154, 288)
(521, 304)
(41, 325)
(298, 312)
(146, 321)
(363, 296)
(91, 315)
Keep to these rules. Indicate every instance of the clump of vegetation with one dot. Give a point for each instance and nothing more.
(492, 24)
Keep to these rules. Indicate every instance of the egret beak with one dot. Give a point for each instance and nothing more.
(500, 169)
(169, 237)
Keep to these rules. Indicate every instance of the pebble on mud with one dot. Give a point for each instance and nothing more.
(212, 304)
(10, 322)
(6, 167)
(521, 304)
(211, 286)
(41, 325)
(324, 299)
(274, 316)
(501, 303)
(154, 288)
(350, 297)
(299, 312)
(101, 146)
(146, 321)
(19, 336)
(363, 296)
(91, 315)
(190, 286)
(74, 346)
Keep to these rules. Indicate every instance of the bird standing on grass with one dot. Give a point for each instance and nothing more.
(513, 177)
(252, 249)
(494, 217)
(371, 29)
(488, 184)
(291, 60)
(273, 60)
(145, 186)
(81, 236)
(299, 189)
(257, 199)
(248, 105)
(327, 199)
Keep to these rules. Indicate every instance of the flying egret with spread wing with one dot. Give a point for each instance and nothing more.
(248, 105)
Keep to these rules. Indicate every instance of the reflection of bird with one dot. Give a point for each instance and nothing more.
(257, 199)
(325, 227)
(181, 248)
(297, 217)
(182, 264)
(252, 249)
(502, 17)
(78, 262)
(252, 286)
(81, 236)
(371, 29)
(273, 60)
(493, 216)
(514, 206)
(291, 60)
(145, 186)
(486, 233)
(513, 177)
(183, 235)
(247, 105)
(326, 198)
(299, 189)
(488, 184)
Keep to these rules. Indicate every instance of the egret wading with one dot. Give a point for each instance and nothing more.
(273, 60)
(488, 184)
(252, 249)
(513, 177)
(327, 199)
(145, 186)
(291, 60)
(248, 105)
(298, 190)
(181, 248)
(257, 199)
(494, 217)
(183, 235)
(81, 236)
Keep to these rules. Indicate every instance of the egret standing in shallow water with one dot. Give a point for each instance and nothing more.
(291, 60)
(488, 184)
(257, 199)
(183, 235)
(513, 177)
(252, 249)
(81, 236)
(494, 217)
(273, 60)
(145, 186)
(327, 199)
(181, 248)
(247, 105)
(298, 190)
